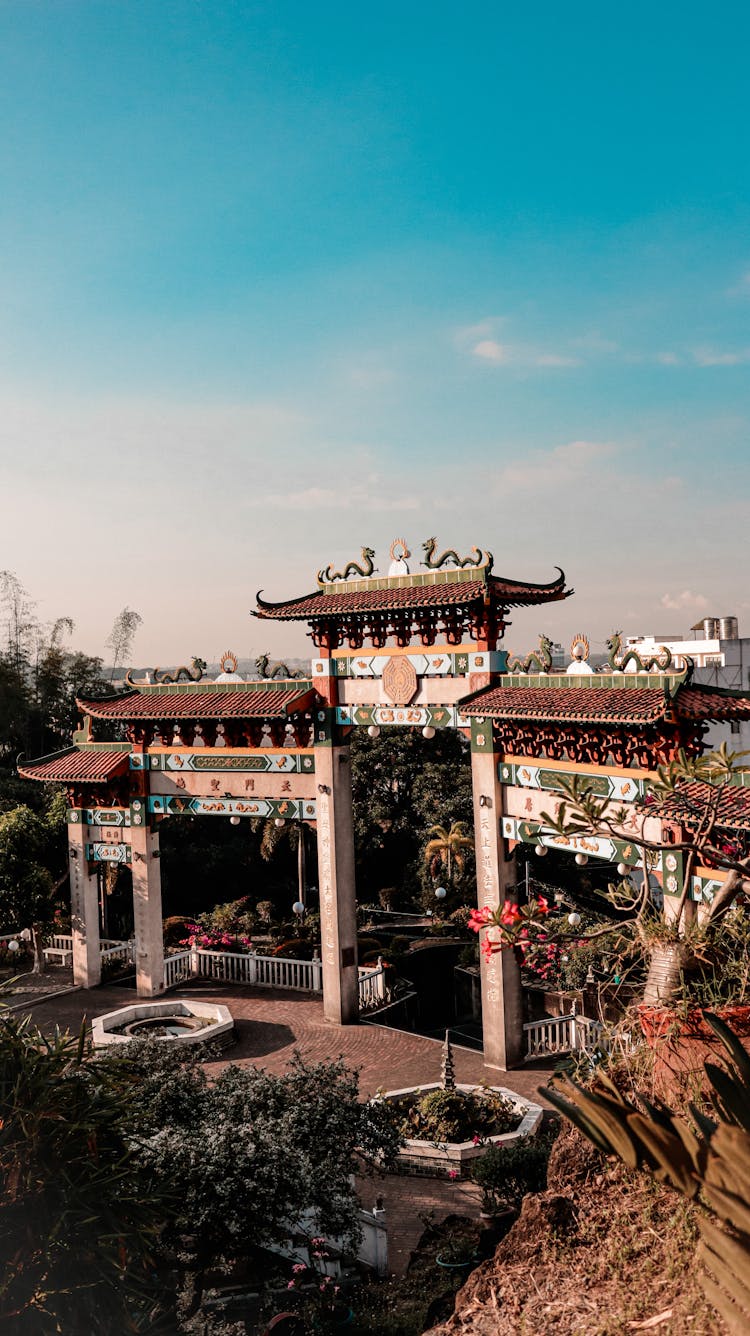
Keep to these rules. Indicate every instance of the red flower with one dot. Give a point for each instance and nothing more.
(510, 914)
(479, 918)
(543, 904)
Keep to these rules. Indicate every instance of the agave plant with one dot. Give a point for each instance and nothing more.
(710, 1158)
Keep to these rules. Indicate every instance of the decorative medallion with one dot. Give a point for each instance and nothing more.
(399, 680)
(580, 648)
(228, 662)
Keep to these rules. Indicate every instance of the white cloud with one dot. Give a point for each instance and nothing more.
(492, 351)
(668, 359)
(506, 354)
(710, 357)
(553, 468)
(370, 496)
(686, 600)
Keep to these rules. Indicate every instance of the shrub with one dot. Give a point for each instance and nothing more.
(295, 948)
(365, 944)
(264, 909)
(176, 929)
(456, 1115)
(506, 1173)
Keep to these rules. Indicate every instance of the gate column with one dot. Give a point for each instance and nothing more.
(149, 935)
(84, 909)
(502, 1015)
(336, 879)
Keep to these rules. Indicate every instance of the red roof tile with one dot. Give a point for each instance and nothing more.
(690, 799)
(95, 766)
(504, 593)
(699, 702)
(262, 703)
(598, 705)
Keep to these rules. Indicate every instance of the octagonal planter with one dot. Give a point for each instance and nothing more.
(438, 1160)
(194, 1023)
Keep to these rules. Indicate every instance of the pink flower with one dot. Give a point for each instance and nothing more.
(476, 1139)
(298, 1267)
(453, 1173)
(543, 904)
(291, 1284)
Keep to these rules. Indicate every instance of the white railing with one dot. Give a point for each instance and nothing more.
(268, 972)
(556, 1035)
(245, 967)
(114, 950)
(60, 947)
(571, 1034)
(372, 986)
(177, 968)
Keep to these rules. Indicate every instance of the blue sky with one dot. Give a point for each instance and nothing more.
(279, 280)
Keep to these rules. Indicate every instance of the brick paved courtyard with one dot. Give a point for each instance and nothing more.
(271, 1024)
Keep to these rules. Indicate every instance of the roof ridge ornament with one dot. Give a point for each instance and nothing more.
(268, 670)
(192, 674)
(477, 557)
(351, 571)
(658, 662)
(541, 657)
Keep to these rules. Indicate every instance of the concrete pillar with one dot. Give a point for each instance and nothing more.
(338, 910)
(84, 909)
(149, 937)
(502, 1015)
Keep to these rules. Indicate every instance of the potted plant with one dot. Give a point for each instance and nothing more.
(684, 814)
(458, 1252)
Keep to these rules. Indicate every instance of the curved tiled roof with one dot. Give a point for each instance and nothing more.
(503, 593)
(689, 801)
(577, 704)
(95, 765)
(261, 703)
(699, 702)
(606, 703)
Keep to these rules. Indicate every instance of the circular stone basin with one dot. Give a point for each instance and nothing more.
(168, 1025)
(173, 1021)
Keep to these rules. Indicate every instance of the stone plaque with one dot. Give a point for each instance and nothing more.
(399, 680)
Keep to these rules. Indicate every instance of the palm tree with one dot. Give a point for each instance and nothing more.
(445, 848)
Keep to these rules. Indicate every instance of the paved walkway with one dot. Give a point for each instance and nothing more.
(271, 1024)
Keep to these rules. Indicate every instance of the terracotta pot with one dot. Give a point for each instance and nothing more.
(683, 1044)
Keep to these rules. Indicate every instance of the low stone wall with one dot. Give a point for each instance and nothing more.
(454, 1158)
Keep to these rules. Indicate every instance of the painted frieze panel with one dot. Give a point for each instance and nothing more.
(601, 784)
(416, 716)
(98, 816)
(270, 762)
(440, 662)
(288, 809)
(99, 852)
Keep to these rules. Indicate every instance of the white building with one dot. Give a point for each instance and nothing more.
(721, 658)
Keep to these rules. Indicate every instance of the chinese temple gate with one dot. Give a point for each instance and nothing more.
(416, 649)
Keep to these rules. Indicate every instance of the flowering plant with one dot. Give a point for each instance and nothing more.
(515, 925)
(209, 940)
(314, 1277)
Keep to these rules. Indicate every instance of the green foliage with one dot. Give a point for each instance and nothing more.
(32, 867)
(79, 1211)
(506, 1173)
(455, 1115)
(710, 1157)
(235, 917)
(255, 1154)
(402, 784)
